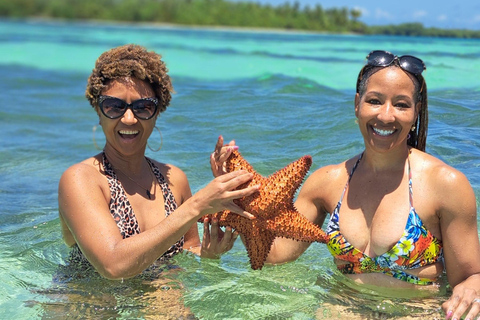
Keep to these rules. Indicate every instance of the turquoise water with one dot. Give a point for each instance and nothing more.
(280, 95)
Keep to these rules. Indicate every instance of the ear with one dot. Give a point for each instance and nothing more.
(357, 104)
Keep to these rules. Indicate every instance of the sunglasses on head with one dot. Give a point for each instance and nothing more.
(379, 58)
(114, 108)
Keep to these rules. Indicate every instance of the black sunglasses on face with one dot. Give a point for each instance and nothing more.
(114, 108)
(379, 58)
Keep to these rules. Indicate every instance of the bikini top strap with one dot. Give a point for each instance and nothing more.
(107, 166)
(351, 174)
(410, 188)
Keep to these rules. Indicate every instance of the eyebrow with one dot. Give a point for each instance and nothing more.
(402, 96)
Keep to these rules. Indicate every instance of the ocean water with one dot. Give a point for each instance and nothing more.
(280, 95)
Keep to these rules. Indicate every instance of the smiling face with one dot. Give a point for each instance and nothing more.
(387, 110)
(127, 134)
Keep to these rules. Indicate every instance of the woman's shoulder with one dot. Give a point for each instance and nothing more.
(329, 178)
(436, 170)
(81, 176)
(87, 168)
(334, 172)
(170, 172)
(176, 180)
(446, 185)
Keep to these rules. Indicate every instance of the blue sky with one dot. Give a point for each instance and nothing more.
(461, 14)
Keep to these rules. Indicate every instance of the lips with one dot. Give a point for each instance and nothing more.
(128, 134)
(383, 132)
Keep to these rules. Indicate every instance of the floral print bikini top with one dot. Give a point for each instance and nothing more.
(122, 211)
(416, 248)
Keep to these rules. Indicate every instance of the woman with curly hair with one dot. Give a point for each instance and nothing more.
(120, 211)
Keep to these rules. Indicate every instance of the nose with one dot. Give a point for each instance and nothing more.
(128, 117)
(386, 113)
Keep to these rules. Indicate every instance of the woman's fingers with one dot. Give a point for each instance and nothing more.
(474, 310)
(237, 194)
(460, 302)
(235, 178)
(214, 230)
(220, 155)
(215, 240)
(225, 152)
(218, 145)
(228, 239)
(241, 212)
(206, 231)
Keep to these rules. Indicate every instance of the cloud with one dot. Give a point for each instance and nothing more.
(364, 11)
(419, 14)
(442, 17)
(382, 14)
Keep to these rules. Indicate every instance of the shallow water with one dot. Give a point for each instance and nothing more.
(280, 95)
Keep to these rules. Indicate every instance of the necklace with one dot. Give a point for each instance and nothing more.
(147, 190)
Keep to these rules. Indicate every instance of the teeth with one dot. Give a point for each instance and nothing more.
(128, 131)
(383, 132)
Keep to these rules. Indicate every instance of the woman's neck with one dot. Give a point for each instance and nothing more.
(385, 161)
(133, 165)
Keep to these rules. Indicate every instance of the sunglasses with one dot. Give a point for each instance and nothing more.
(380, 58)
(114, 108)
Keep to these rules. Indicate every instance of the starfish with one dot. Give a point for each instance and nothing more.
(273, 208)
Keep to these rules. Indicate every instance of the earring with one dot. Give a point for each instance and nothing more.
(94, 130)
(356, 121)
(161, 141)
(413, 128)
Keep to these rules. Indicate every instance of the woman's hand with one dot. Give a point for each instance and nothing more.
(220, 155)
(219, 194)
(216, 241)
(464, 298)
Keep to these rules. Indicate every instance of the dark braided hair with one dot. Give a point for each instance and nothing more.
(418, 137)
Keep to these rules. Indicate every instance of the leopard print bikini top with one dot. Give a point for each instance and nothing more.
(122, 211)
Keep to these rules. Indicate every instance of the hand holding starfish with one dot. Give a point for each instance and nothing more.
(220, 155)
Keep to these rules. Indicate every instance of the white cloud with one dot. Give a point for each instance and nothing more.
(382, 14)
(364, 11)
(442, 17)
(419, 14)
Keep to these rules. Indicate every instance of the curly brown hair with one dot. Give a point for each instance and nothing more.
(130, 61)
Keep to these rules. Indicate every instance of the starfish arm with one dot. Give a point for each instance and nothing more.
(293, 225)
(238, 223)
(258, 248)
(272, 206)
(287, 180)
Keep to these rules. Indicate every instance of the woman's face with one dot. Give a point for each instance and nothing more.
(387, 110)
(127, 134)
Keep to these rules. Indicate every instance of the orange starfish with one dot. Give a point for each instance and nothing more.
(275, 214)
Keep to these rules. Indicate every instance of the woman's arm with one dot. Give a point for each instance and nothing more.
(309, 204)
(83, 205)
(458, 223)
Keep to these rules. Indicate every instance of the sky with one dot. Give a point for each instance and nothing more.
(445, 14)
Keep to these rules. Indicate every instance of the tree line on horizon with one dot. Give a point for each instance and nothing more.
(219, 13)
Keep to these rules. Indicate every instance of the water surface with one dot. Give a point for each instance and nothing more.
(280, 95)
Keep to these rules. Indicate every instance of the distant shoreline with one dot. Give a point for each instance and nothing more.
(210, 27)
(179, 26)
(239, 16)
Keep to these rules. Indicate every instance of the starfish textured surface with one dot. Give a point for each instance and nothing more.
(275, 214)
